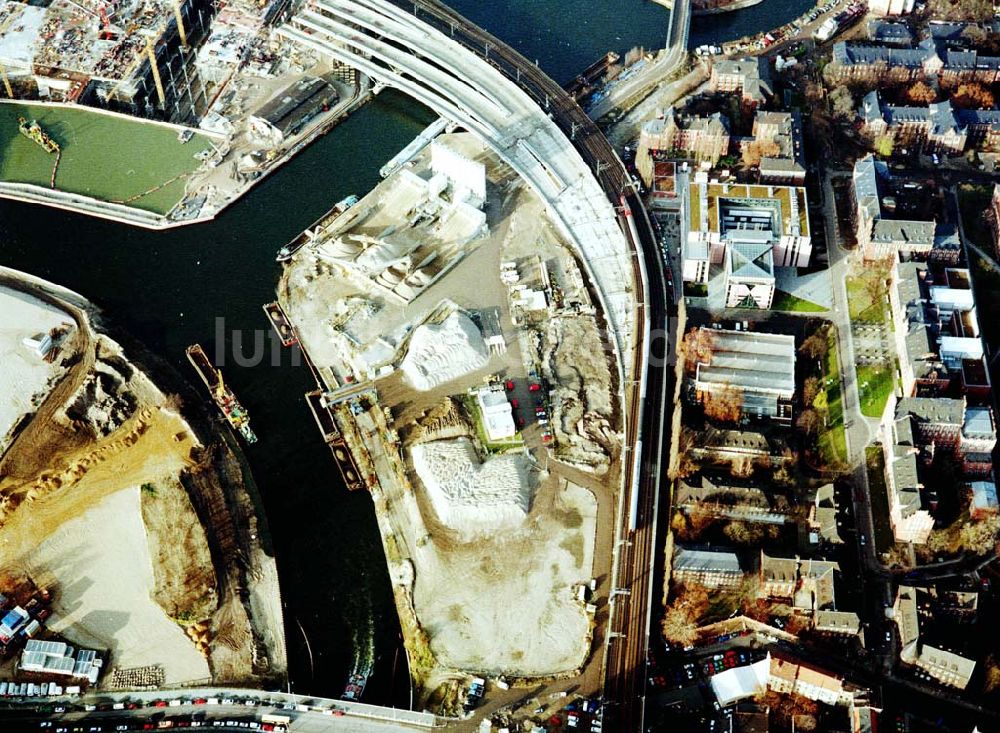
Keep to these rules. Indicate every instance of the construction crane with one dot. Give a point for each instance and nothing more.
(150, 53)
(156, 72)
(180, 23)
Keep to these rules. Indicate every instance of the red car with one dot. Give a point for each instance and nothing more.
(159, 703)
(199, 701)
(509, 384)
(533, 387)
(514, 403)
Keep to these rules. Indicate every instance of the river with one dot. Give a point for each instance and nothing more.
(169, 289)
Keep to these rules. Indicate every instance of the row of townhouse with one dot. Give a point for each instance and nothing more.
(938, 127)
(868, 62)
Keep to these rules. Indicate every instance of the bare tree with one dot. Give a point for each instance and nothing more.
(810, 388)
(697, 347)
(973, 10)
(756, 150)
(808, 422)
(815, 347)
(680, 621)
(842, 103)
(724, 404)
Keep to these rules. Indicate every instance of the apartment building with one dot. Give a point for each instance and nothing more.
(932, 57)
(879, 235)
(750, 76)
(783, 132)
(937, 332)
(909, 521)
(938, 127)
(707, 568)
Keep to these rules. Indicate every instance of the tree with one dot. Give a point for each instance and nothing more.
(876, 282)
(687, 464)
(975, 35)
(974, 10)
(786, 708)
(973, 95)
(696, 347)
(920, 93)
(992, 681)
(815, 346)
(884, 145)
(842, 103)
(808, 422)
(750, 533)
(821, 402)
(754, 151)
(680, 620)
(724, 404)
(810, 388)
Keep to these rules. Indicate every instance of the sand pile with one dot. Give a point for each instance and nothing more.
(470, 497)
(441, 353)
(25, 377)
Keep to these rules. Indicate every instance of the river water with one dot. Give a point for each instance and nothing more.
(170, 288)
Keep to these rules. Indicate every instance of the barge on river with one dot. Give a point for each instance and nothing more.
(230, 407)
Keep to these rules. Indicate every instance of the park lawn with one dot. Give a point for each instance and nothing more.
(787, 302)
(879, 499)
(832, 442)
(875, 383)
(860, 305)
(107, 157)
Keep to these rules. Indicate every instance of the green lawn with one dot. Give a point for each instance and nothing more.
(875, 383)
(787, 302)
(112, 158)
(833, 441)
(696, 290)
(860, 305)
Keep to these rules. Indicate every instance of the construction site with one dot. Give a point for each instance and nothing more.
(157, 112)
(464, 381)
(134, 516)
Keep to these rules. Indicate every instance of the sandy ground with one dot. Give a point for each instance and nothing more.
(24, 377)
(100, 564)
(506, 605)
(158, 582)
